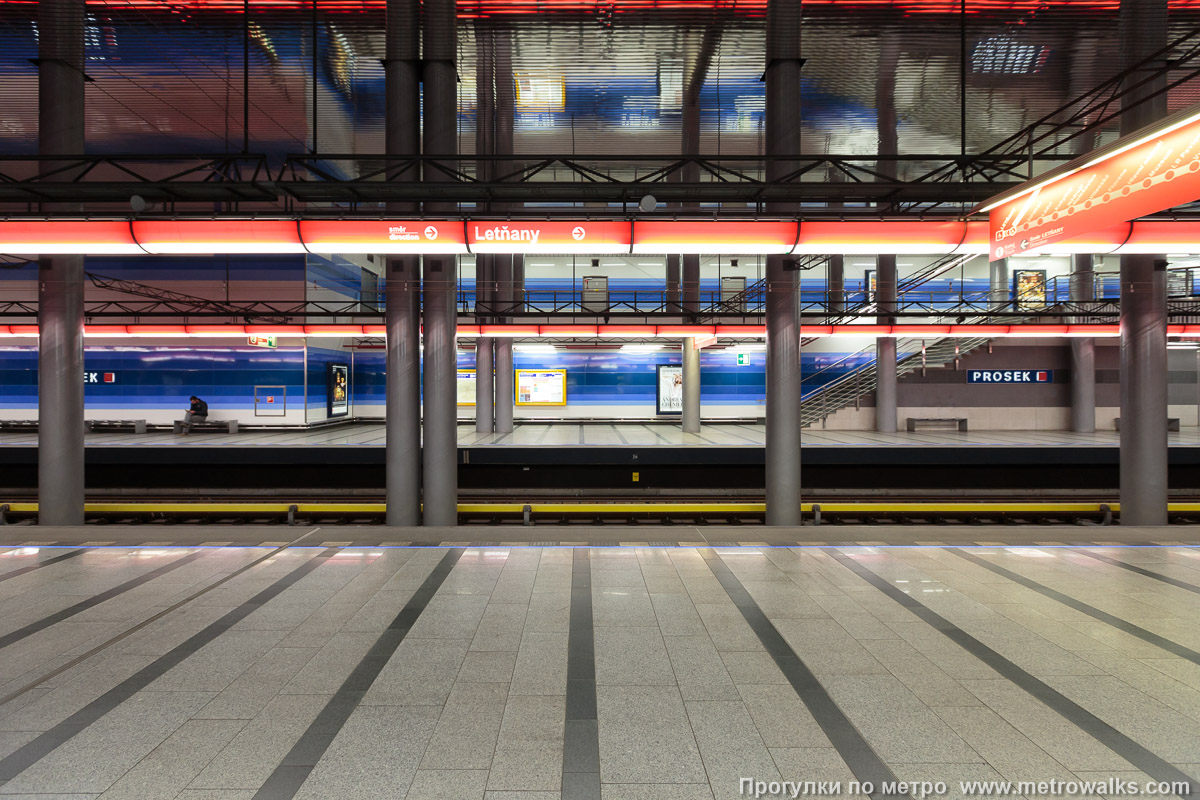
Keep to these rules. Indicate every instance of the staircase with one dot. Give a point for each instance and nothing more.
(847, 389)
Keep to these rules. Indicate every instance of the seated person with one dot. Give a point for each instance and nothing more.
(197, 413)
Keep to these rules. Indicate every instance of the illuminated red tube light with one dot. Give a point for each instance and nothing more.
(714, 237)
(568, 330)
(178, 237)
(440, 237)
(67, 237)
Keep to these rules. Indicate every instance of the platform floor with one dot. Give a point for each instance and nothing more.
(318, 671)
(613, 435)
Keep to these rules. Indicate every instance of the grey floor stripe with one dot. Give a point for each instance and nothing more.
(1083, 608)
(1149, 763)
(83, 605)
(1158, 576)
(581, 734)
(862, 760)
(28, 754)
(48, 562)
(296, 766)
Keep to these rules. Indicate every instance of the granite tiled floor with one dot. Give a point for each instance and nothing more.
(624, 673)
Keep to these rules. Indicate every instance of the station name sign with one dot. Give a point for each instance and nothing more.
(1148, 171)
(1010, 376)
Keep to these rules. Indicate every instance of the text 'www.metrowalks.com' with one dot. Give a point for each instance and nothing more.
(1108, 788)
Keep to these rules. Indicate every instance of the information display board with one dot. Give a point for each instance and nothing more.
(466, 387)
(670, 389)
(338, 390)
(542, 387)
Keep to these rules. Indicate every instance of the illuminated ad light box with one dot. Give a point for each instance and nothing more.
(338, 395)
(1150, 170)
(1029, 288)
(465, 387)
(670, 389)
(541, 387)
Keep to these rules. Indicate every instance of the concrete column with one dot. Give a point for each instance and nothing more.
(691, 386)
(691, 283)
(60, 278)
(1083, 353)
(402, 280)
(504, 348)
(1143, 391)
(998, 284)
(885, 346)
(505, 394)
(674, 296)
(485, 419)
(835, 288)
(1142, 31)
(402, 458)
(440, 452)
(783, 323)
(440, 114)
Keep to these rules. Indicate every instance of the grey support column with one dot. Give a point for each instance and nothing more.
(1143, 391)
(835, 288)
(673, 296)
(783, 322)
(885, 346)
(402, 292)
(60, 278)
(485, 126)
(485, 419)
(1143, 31)
(440, 451)
(691, 386)
(691, 283)
(1083, 352)
(998, 284)
(402, 280)
(505, 394)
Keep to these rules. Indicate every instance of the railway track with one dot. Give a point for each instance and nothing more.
(611, 512)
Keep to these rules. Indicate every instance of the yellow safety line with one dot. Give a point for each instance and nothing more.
(597, 508)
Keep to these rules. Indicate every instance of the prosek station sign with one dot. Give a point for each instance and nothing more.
(1151, 170)
(1009, 376)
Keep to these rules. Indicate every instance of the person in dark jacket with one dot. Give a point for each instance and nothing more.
(197, 413)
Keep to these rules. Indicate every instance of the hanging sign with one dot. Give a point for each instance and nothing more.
(260, 341)
(1145, 172)
(539, 236)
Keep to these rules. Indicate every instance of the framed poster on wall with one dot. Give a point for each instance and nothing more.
(541, 387)
(869, 286)
(1029, 288)
(465, 387)
(670, 389)
(338, 390)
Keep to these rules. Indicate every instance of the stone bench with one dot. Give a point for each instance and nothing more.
(928, 422)
(138, 425)
(228, 426)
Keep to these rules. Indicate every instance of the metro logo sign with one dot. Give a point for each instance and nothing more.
(537, 236)
(1146, 172)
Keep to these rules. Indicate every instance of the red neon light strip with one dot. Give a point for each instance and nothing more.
(68, 237)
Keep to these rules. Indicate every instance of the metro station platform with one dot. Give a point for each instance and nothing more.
(312, 670)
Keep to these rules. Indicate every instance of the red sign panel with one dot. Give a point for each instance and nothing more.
(535, 236)
(1153, 173)
(383, 236)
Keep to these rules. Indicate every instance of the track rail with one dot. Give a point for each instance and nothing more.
(927, 512)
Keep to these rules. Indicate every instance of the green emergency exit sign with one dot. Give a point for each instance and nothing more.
(743, 359)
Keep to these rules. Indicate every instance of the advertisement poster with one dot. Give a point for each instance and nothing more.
(541, 387)
(670, 389)
(1029, 288)
(466, 387)
(338, 396)
(869, 285)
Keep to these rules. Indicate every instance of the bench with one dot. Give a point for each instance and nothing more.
(959, 422)
(229, 426)
(1172, 424)
(18, 425)
(138, 425)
